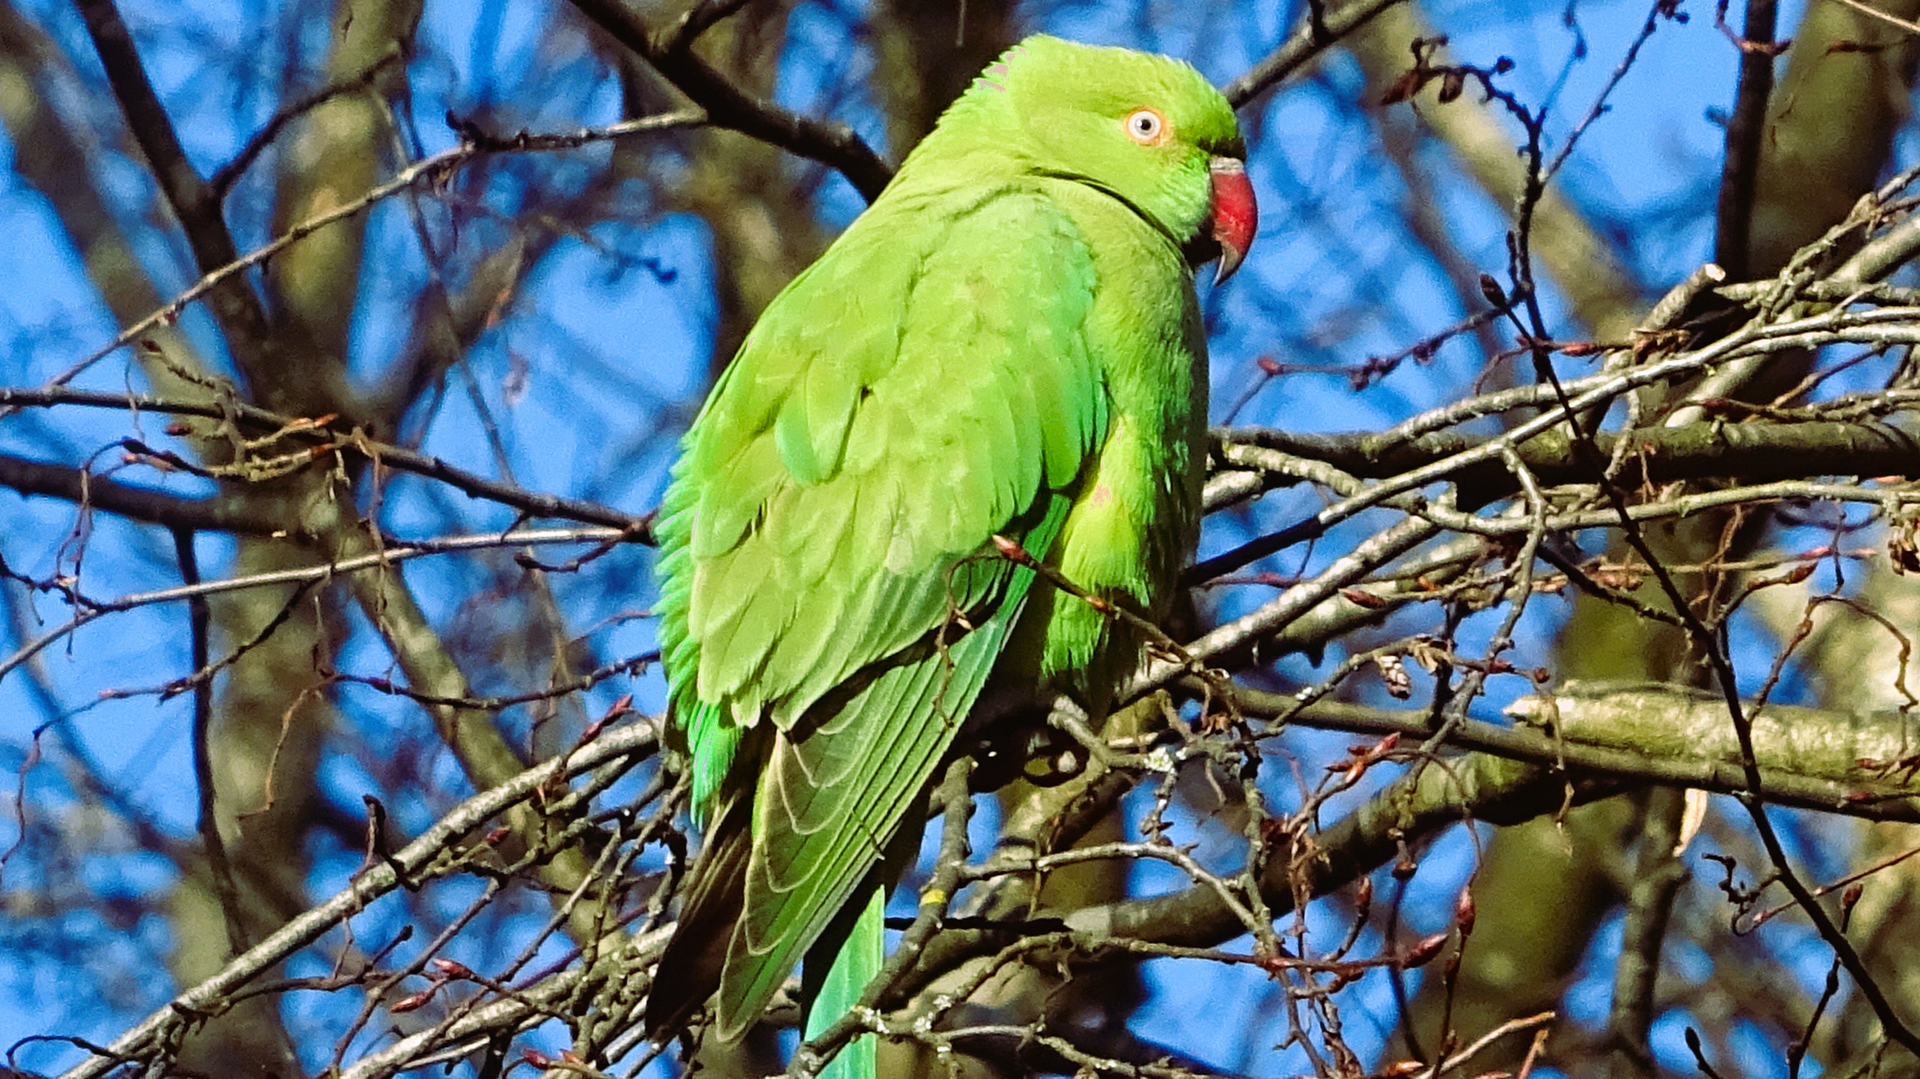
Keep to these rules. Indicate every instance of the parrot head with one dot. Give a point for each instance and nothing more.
(1147, 129)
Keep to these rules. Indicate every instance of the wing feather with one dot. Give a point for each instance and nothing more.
(822, 542)
(828, 806)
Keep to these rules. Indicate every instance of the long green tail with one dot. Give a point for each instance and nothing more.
(856, 964)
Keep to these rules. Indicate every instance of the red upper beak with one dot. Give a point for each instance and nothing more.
(1235, 213)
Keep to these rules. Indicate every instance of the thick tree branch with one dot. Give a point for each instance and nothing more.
(1323, 26)
(831, 143)
(1746, 130)
(1744, 452)
(219, 513)
(1806, 769)
(313, 436)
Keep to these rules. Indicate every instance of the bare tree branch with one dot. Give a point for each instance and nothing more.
(832, 144)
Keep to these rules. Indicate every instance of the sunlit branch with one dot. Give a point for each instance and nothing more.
(1712, 449)
(1603, 746)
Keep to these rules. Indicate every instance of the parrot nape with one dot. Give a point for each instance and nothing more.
(1006, 343)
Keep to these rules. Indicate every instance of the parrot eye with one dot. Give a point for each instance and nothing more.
(1146, 126)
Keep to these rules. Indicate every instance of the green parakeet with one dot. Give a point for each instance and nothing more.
(1006, 343)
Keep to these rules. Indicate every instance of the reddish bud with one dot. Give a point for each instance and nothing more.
(1360, 597)
(621, 707)
(1422, 953)
(416, 1000)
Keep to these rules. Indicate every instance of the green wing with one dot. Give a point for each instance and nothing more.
(830, 604)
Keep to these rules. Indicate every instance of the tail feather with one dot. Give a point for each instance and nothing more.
(689, 970)
(856, 960)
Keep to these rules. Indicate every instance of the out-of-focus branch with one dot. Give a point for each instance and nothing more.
(97, 494)
(64, 170)
(1828, 128)
(431, 169)
(1658, 877)
(1745, 132)
(226, 175)
(194, 203)
(340, 145)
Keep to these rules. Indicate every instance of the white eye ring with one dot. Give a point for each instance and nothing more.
(1146, 126)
